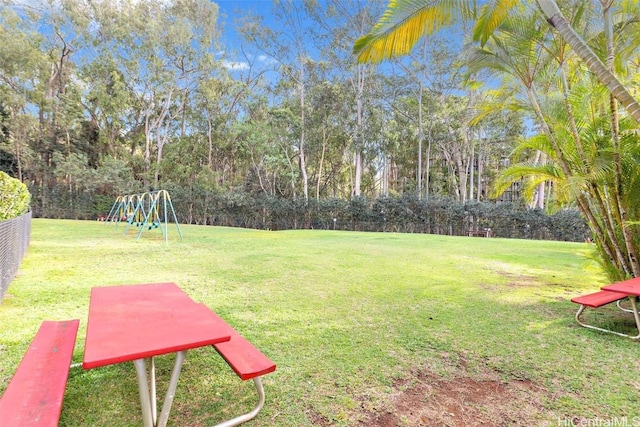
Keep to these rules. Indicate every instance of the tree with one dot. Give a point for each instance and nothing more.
(593, 62)
(405, 22)
(427, 76)
(161, 51)
(518, 51)
(328, 147)
(20, 63)
(287, 47)
(601, 193)
(340, 23)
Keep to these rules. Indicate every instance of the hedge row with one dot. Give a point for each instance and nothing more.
(407, 214)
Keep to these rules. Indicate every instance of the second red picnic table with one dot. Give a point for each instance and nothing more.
(631, 288)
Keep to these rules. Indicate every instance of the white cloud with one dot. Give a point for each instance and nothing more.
(265, 59)
(235, 65)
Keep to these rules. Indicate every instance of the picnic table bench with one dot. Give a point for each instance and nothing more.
(248, 363)
(35, 393)
(602, 298)
(474, 232)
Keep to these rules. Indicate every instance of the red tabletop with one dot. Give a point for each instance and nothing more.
(136, 321)
(629, 287)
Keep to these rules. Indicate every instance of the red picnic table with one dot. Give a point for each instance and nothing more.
(138, 322)
(630, 288)
(615, 292)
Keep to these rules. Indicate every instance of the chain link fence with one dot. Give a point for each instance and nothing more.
(14, 240)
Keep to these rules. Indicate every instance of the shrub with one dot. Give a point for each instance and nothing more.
(14, 197)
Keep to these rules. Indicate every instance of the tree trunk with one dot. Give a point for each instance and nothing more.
(479, 178)
(324, 149)
(621, 216)
(303, 159)
(359, 139)
(358, 173)
(420, 125)
(427, 166)
(595, 65)
(472, 164)
(16, 143)
(210, 141)
(541, 158)
(461, 172)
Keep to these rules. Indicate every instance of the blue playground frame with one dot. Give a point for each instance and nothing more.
(149, 210)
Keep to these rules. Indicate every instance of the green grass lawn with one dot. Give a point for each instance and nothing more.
(346, 316)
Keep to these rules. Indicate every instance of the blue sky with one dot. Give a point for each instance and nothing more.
(229, 11)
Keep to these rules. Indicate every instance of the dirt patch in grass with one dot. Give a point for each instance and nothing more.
(425, 399)
(518, 280)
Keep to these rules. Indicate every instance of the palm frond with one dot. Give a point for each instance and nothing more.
(493, 13)
(404, 23)
(496, 102)
(538, 142)
(531, 175)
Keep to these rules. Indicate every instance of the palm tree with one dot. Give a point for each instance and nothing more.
(590, 158)
(596, 66)
(519, 52)
(594, 186)
(406, 21)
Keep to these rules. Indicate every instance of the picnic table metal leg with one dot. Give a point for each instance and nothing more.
(171, 391)
(633, 310)
(145, 397)
(636, 315)
(626, 310)
(147, 390)
(249, 415)
(152, 389)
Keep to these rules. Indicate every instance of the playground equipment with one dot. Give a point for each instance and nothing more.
(148, 210)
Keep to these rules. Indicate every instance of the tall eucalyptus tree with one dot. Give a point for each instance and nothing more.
(50, 95)
(329, 102)
(21, 62)
(160, 50)
(427, 79)
(340, 23)
(289, 47)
